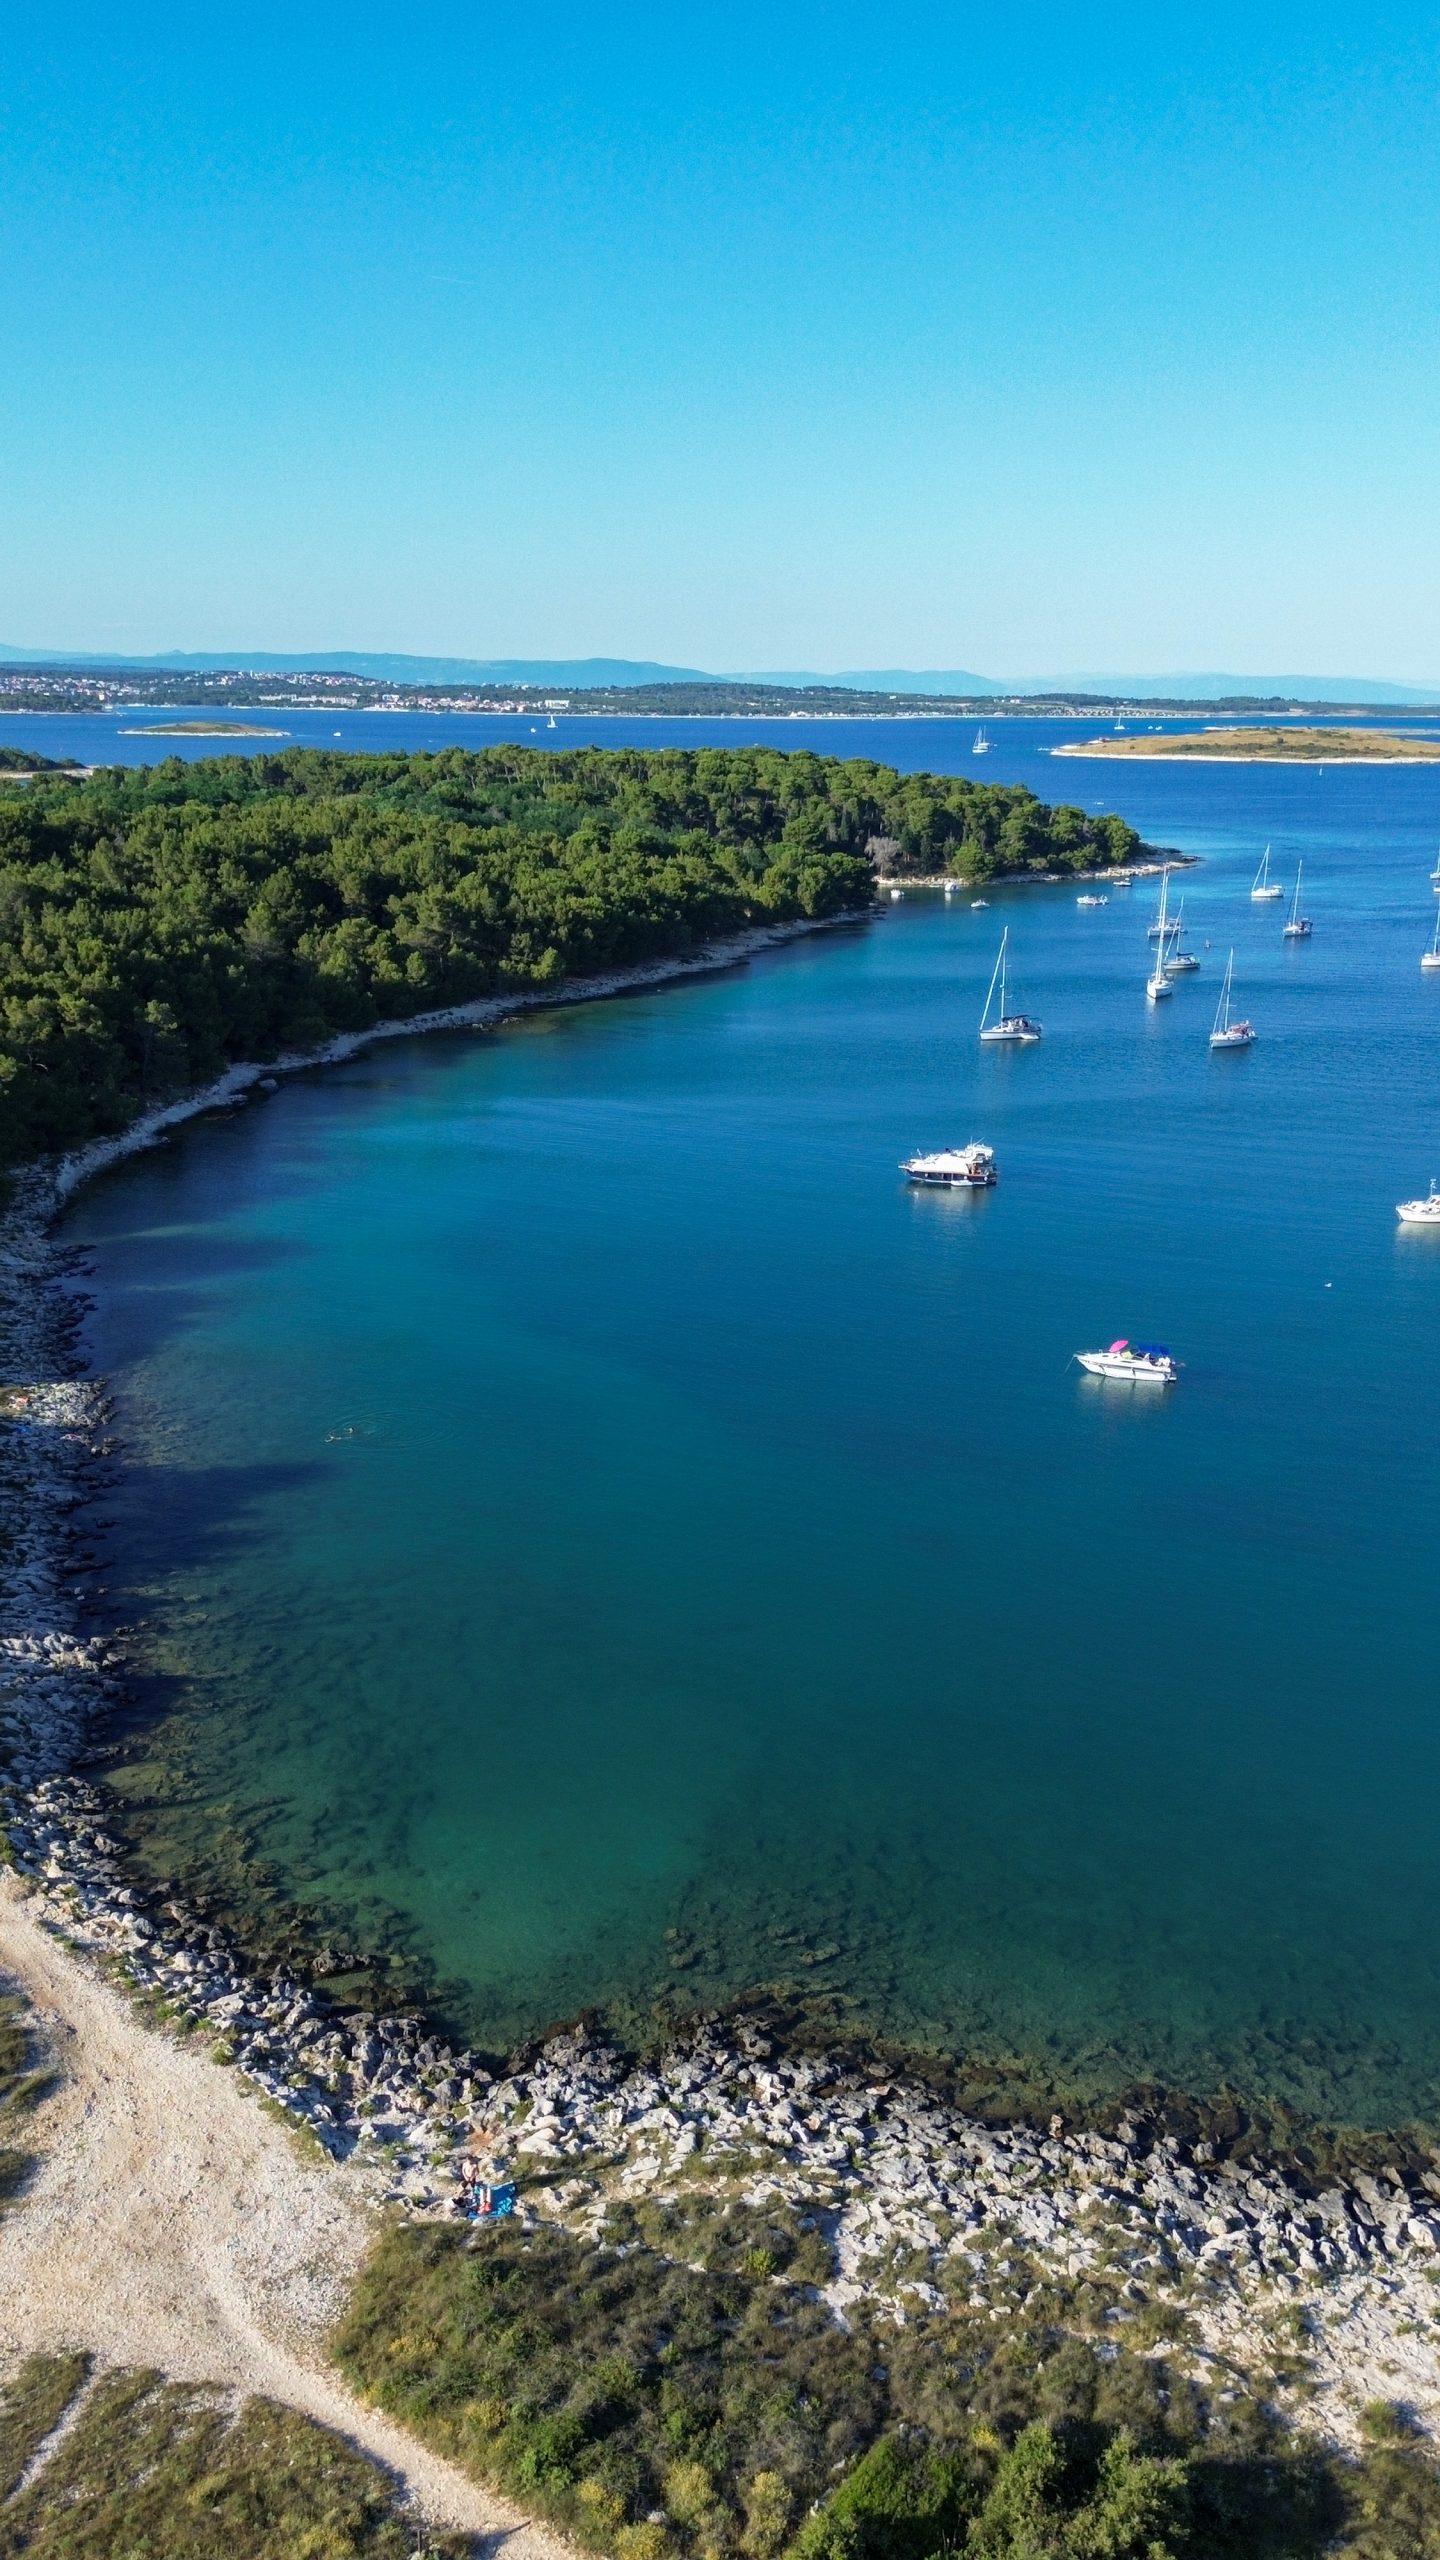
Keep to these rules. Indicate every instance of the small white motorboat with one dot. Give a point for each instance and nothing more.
(897, 895)
(969, 1168)
(1139, 1362)
(1420, 1213)
(1092, 902)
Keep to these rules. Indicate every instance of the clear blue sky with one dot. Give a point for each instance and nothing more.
(1015, 339)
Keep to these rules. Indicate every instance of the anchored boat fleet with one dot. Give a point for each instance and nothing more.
(973, 1167)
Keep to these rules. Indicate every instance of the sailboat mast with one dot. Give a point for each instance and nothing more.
(1222, 1018)
(997, 972)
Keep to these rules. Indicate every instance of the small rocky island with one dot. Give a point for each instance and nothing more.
(1269, 745)
(203, 729)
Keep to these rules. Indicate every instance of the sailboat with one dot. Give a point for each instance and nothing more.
(1431, 959)
(1298, 928)
(982, 744)
(1263, 886)
(550, 723)
(1228, 1034)
(1006, 1026)
(1435, 876)
(1180, 963)
(1157, 984)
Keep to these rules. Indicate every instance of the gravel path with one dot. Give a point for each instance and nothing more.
(172, 2223)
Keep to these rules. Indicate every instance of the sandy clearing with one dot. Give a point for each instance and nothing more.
(172, 2223)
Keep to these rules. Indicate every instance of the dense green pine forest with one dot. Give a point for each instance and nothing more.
(157, 924)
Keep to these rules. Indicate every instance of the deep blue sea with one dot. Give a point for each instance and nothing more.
(584, 1504)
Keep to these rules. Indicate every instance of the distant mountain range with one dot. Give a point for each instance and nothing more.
(1192, 688)
(386, 667)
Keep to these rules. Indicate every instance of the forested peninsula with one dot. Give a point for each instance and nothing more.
(159, 924)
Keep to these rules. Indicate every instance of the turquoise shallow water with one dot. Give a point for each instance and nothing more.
(719, 1542)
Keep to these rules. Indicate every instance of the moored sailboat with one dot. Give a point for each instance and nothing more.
(1180, 963)
(1430, 957)
(1229, 1034)
(1006, 1026)
(1298, 928)
(1262, 886)
(1157, 984)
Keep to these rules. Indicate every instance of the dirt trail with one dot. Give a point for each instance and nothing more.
(171, 2222)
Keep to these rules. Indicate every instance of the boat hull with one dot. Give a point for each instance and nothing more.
(1015, 1035)
(1231, 1039)
(1103, 1364)
(1418, 1213)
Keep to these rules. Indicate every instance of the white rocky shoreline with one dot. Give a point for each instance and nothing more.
(923, 2208)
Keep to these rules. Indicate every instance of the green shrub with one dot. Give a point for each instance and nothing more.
(155, 2471)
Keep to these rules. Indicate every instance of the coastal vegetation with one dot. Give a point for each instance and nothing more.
(698, 2402)
(130, 2467)
(159, 924)
(1260, 745)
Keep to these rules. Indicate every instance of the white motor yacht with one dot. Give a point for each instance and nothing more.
(1006, 1026)
(1149, 1362)
(1092, 902)
(1420, 1213)
(969, 1168)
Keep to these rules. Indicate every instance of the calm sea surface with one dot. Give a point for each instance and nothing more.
(585, 1507)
